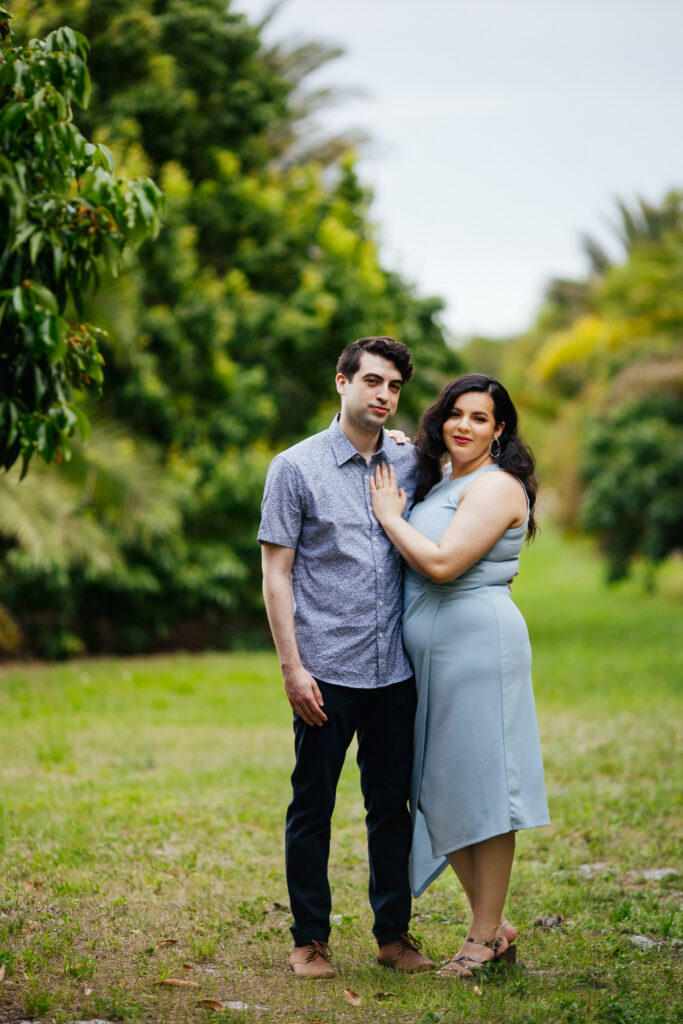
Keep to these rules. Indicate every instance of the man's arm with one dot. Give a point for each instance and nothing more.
(301, 688)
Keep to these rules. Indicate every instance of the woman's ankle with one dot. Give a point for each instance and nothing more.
(485, 933)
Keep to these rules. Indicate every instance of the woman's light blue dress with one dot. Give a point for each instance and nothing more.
(477, 769)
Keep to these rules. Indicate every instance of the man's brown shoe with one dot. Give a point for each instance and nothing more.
(312, 961)
(404, 955)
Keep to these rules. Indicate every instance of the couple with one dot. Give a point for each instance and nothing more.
(334, 536)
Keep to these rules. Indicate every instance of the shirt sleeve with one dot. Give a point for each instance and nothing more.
(282, 505)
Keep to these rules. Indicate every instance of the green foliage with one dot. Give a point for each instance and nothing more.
(223, 332)
(62, 209)
(633, 466)
(613, 341)
(64, 533)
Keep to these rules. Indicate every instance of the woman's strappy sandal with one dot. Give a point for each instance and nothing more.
(452, 969)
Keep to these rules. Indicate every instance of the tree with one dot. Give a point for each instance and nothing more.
(224, 330)
(603, 353)
(633, 467)
(62, 210)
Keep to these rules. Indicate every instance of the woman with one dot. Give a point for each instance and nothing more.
(477, 773)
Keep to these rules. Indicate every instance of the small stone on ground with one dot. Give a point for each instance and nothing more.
(656, 874)
(590, 870)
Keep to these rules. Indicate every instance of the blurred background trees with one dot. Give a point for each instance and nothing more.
(222, 333)
(600, 376)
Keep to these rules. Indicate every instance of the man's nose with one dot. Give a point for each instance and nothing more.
(383, 392)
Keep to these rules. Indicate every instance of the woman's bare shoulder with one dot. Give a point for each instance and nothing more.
(502, 485)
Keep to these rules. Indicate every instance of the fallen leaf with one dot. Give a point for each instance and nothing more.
(88, 991)
(2, 972)
(166, 942)
(188, 967)
(352, 997)
(551, 924)
(280, 906)
(477, 991)
(211, 1004)
(384, 995)
(179, 983)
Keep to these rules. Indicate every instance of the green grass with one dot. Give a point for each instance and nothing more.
(143, 800)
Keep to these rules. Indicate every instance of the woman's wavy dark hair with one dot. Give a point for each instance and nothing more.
(514, 456)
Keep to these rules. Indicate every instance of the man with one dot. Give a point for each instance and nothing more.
(332, 585)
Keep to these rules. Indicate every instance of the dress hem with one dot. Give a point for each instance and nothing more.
(489, 835)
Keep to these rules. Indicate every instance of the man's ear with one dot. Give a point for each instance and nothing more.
(340, 381)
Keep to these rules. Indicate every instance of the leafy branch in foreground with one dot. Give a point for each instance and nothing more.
(62, 210)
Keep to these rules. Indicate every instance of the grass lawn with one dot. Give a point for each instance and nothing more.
(141, 835)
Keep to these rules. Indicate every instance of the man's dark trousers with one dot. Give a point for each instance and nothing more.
(383, 720)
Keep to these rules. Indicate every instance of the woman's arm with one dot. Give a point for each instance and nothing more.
(489, 506)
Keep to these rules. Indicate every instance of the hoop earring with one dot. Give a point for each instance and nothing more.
(496, 453)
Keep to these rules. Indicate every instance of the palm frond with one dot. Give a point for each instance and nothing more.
(121, 479)
(113, 491)
(41, 517)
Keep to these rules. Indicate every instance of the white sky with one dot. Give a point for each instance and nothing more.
(501, 131)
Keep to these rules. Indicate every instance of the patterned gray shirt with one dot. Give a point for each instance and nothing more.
(347, 577)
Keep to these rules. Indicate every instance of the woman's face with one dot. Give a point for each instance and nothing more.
(469, 430)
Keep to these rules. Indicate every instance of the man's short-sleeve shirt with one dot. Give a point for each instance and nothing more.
(347, 577)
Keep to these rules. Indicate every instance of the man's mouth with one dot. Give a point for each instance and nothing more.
(379, 408)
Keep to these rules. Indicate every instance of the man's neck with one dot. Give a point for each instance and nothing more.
(366, 443)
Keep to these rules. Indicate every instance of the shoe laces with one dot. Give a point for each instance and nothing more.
(408, 942)
(318, 949)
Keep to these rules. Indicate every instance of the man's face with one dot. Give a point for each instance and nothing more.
(370, 397)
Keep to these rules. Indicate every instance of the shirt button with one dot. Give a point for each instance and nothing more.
(381, 636)
(381, 603)
(379, 571)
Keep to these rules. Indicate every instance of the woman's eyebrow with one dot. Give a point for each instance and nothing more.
(476, 412)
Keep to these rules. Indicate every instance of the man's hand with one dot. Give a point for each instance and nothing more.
(301, 688)
(304, 695)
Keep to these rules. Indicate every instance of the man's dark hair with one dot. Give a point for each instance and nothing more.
(387, 348)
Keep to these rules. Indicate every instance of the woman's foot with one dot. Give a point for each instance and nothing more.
(475, 954)
(509, 931)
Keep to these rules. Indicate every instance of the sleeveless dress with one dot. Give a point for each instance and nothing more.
(477, 769)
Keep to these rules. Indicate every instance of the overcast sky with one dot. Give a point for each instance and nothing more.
(501, 131)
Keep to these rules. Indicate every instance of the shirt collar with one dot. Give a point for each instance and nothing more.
(343, 449)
